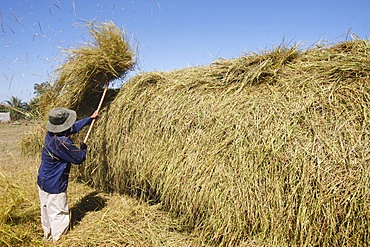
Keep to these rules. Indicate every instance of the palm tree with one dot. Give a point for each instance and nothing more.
(16, 107)
(14, 102)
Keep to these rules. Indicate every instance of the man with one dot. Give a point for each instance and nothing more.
(58, 153)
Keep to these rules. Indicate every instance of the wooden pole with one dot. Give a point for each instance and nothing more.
(100, 104)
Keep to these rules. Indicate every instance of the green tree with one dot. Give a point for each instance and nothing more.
(3, 108)
(14, 102)
(17, 108)
(40, 89)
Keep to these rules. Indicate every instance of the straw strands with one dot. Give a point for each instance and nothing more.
(267, 149)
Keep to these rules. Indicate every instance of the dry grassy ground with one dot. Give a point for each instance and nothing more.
(98, 219)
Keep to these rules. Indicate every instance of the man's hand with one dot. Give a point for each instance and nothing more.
(95, 115)
(83, 146)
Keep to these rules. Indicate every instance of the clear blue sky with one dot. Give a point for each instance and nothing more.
(170, 34)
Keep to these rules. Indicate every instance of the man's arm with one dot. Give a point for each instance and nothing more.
(78, 125)
(69, 152)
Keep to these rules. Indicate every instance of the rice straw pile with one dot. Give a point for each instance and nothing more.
(268, 149)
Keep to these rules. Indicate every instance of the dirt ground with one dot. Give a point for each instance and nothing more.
(98, 218)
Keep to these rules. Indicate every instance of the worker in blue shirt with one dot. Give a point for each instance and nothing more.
(58, 153)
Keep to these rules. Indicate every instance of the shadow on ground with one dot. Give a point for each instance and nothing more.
(90, 203)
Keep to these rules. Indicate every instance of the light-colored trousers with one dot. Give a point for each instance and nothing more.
(54, 214)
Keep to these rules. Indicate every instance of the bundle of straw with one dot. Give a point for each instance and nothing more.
(87, 69)
(80, 80)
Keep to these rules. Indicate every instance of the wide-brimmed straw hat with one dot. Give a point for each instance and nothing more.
(60, 119)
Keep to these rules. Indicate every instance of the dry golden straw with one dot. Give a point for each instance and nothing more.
(269, 149)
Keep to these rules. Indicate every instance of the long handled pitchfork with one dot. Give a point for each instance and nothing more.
(99, 106)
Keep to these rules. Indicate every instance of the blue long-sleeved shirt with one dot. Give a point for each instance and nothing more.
(58, 153)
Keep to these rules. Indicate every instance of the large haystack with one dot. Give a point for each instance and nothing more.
(268, 149)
